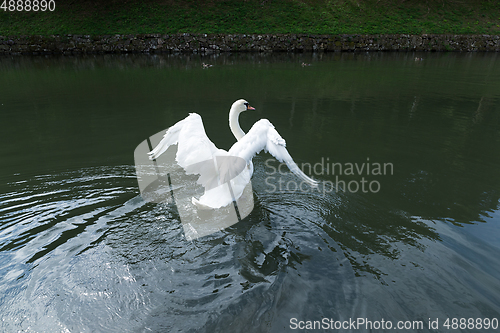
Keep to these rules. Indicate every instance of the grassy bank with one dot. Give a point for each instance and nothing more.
(257, 16)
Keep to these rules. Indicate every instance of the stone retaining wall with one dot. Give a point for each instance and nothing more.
(203, 43)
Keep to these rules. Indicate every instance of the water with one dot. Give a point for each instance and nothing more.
(81, 251)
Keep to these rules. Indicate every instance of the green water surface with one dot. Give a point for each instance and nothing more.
(80, 250)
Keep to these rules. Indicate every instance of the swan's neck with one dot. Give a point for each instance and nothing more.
(234, 124)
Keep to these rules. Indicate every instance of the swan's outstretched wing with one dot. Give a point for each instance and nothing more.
(197, 155)
(194, 146)
(263, 136)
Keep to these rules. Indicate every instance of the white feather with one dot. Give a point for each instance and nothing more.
(217, 168)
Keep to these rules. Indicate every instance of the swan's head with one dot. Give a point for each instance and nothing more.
(241, 105)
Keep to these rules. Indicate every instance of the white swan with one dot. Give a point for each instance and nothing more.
(216, 167)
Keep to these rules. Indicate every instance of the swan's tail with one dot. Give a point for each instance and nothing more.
(199, 205)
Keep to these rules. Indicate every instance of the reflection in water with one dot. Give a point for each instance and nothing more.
(80, 249)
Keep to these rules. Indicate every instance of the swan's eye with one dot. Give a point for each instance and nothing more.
(246, 104)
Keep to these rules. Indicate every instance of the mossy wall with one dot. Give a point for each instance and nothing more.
(203, 43)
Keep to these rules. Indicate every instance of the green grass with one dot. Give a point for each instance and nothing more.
(258, 16)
